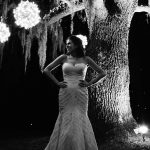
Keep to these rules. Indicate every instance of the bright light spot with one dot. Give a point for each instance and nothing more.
(27, 14)
(142, 9)
(31, 124)
(4, 32)
(83, 39)
(142, 129)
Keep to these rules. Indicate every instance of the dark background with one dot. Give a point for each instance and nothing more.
(28, 101)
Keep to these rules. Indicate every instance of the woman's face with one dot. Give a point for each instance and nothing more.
(70, 45)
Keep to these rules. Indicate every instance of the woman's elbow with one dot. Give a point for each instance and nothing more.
(45, 71)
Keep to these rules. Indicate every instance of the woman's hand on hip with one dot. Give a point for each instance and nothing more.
(62, 84)
(83, 83)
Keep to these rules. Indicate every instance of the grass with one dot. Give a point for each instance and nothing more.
(132, 143)
(39, 143)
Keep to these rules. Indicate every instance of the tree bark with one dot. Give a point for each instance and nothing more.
(109, 100)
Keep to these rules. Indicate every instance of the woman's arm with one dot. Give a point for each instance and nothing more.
(52, 66)
(94, 66)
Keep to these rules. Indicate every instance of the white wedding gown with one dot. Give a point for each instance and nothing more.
(73, 129)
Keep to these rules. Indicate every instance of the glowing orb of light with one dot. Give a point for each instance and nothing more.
(83, 39)
(142, 129)
(26, 14)
(4, 32)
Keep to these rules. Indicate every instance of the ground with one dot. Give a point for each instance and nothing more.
(39, 143)
(132, 143)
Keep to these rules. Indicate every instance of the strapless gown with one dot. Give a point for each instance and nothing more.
(73, 129)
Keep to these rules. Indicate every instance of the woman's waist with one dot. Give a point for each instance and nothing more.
(74, 79)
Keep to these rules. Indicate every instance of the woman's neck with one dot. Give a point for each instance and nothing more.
(73, 54)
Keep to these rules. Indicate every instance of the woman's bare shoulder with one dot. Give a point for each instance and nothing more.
(62, 57)
(87, 59)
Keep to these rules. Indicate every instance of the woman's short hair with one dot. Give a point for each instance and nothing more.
(80, 51)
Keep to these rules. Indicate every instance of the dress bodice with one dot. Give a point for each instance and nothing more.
(73, 73)
(70, 70)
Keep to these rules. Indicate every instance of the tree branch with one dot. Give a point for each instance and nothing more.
(143, 8)
(50, 20)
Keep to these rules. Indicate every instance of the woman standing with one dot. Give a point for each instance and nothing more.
(73, 129)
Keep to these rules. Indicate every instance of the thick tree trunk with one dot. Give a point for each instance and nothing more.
(109, 101)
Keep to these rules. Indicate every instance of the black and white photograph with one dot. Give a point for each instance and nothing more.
(74, 75)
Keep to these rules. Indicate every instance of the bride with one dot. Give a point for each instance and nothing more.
(73, 129)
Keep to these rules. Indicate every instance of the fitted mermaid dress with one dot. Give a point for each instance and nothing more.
(73, 129)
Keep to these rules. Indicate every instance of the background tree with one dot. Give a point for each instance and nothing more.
(109, 23)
